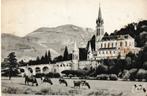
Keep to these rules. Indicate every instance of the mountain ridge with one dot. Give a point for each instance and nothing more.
(42, 39)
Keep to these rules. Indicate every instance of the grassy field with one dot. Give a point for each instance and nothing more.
(98, 88)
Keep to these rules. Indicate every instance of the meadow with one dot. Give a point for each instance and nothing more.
(98, 88)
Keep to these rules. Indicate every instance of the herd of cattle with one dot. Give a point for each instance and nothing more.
(32, 79)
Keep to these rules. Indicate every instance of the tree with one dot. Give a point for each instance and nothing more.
(49, 56)
(65, 55)
(13, 65)
(42, 60)
(38, 60)
(46, 58)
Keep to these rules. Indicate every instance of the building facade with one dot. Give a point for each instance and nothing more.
(110, 47)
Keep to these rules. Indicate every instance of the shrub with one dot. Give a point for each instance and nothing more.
(141, 74)
(74, 72)
(113, 77)
(101, 69)
(125, 75)
(56, 75)
(102, 77)
(145, 65)
(53, 75)
(39, 75)
(133, 73)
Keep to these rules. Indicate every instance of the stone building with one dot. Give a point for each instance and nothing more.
(110, 47)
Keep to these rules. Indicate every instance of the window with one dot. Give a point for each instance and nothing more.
(105, 45)
(110, 52)
(130, 44)
(108, 45)
(121, 44)
(126, 43)
(101, 45)
(112, 45)
(116, 44)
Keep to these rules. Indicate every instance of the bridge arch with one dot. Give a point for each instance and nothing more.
(38, 70)
(30, 69)
(22, 70)
(45, 69)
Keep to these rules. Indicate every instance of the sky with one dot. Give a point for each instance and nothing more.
(20, 17)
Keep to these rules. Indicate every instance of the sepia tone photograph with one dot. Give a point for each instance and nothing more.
(73, 48)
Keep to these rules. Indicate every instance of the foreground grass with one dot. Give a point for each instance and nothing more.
(98, 88)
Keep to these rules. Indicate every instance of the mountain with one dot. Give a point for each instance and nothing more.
(38, 42)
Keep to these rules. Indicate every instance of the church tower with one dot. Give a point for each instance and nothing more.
(89, 53)
(99, 26)
(75, 58)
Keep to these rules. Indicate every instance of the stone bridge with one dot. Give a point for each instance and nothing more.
(58, 67)
(46, 68)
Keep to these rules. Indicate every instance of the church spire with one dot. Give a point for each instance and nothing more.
(99, 13)
(99, 25)
(99, 21)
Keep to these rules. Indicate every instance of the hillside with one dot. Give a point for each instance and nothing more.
(54, 39)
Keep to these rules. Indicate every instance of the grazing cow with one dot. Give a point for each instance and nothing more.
(61, 80)
(48, 80)
(31, 79)
(139, 89)
(77, 83)
(83, 83)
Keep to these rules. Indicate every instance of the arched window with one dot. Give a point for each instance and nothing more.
(63, 65)
(105, 45)
(121, 44)
(130, 44)
(126, 43)
(37, 70)
(45, 69)
(101, 45)
(112, 44)
(116, 44)
(22, 70)
(108, 45)
(114, 52)
(30, 69)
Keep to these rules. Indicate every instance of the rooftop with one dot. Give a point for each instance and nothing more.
(116, 37)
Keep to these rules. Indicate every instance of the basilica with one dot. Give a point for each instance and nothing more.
(110, 47)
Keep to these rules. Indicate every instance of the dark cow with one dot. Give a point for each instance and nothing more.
(77, 83)
(48, 80)
(86, 84)
(61, 80)
(83, 83)
(31, 79)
